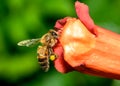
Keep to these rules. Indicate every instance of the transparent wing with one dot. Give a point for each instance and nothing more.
(29, 42)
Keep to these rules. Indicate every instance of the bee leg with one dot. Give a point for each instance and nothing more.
(52, 55)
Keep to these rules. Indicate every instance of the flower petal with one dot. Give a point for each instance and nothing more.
(60, 63)
(82, 11)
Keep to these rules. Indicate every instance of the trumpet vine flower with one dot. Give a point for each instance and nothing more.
(85, 47)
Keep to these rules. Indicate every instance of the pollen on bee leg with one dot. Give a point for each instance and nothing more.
(52, 57)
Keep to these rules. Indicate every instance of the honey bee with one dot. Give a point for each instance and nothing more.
(44, 52)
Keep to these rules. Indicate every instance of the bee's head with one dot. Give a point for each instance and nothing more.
(54, 33)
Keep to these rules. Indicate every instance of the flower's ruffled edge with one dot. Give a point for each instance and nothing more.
(82, 12)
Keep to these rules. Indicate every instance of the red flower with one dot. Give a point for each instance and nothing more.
(86, 47)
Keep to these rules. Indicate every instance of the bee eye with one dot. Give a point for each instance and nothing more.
(54, 34)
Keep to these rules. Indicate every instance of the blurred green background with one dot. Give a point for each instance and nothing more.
(26, 19)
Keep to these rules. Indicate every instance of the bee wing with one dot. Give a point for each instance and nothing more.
(28, 42)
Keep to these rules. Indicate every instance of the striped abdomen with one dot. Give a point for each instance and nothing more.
(43, 59)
